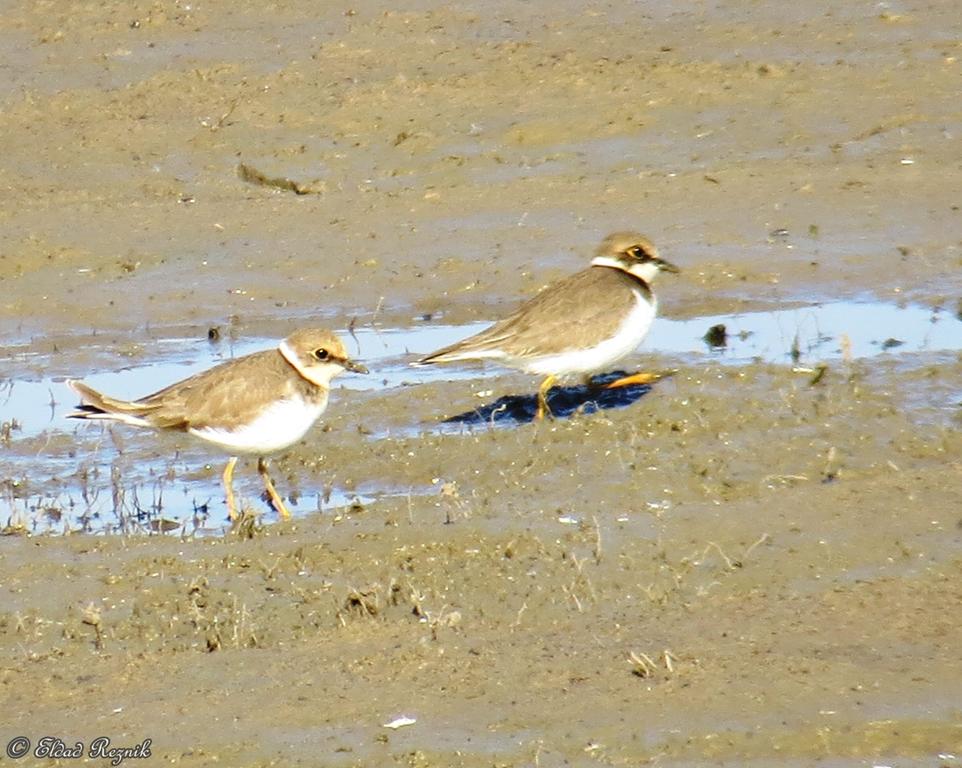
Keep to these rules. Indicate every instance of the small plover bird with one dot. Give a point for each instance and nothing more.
(257, 404)
(579, 325)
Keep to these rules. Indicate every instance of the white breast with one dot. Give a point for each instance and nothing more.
(581, 361)
(278, 426)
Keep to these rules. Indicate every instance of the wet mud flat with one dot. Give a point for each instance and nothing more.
(732, 585)
(754, 562)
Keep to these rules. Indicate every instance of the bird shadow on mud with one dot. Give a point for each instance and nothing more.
(564, 402)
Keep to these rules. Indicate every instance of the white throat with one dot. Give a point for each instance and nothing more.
(644, 271)
(319, 374)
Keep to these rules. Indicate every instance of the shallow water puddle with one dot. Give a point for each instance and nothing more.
(818, 333)
(180, 505)
(38, 442)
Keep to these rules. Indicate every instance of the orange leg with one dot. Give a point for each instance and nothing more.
(543, 398)
(228, 487)
(635, 378)
(276, 500)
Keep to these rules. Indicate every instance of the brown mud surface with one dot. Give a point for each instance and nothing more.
(744, 567)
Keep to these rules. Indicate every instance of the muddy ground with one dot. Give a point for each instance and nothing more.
(745, 567)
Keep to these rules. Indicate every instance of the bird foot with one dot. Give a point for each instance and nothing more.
(228, 479)
(635, 378)
(276, 500)
(542, 411)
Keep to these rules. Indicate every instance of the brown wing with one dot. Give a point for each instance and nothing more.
(544, 325)
(223, 395)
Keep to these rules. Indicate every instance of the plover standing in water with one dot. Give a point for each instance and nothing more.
(257, 404)
(579, 325)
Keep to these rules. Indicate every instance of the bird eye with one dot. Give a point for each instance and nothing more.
(321, 354)
(638, 252)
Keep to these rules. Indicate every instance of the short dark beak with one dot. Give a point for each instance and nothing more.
(354, 367)
(666, 266)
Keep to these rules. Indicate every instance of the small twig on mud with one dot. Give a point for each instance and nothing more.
(819, 373)
(537, 754)
(451, 499)
(642, 665)
(670, 660)
(521, 610)
(377, 311)
(236, 629)
(117, 490)
(729, 563)
(253, 176)
(350, 330)
(570, 593)
(495, 411)
(218, 124)
(91, 617)
(763, 539)
(597, 550)
(831, 465)
(247, 525)
(783, 479)
(269, 570)
(846, 344)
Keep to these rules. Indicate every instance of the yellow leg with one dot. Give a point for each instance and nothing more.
(271, 490)
(228, 487)
(543, 398)
(635, 378)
